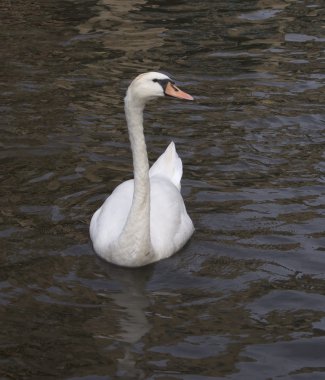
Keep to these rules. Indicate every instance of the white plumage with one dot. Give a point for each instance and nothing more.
(144, 220)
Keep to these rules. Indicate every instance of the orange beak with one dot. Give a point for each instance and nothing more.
(175, 92)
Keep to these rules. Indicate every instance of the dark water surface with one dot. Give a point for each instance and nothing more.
(245, 299)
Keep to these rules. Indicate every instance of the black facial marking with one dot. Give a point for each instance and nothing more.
(163, 83)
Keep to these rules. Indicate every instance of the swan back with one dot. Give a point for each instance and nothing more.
(169, 166)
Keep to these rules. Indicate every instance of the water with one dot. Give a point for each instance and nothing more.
(245, 299)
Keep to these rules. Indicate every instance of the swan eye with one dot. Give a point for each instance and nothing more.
(155, 80)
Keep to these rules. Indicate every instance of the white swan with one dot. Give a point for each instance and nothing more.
(144, 220)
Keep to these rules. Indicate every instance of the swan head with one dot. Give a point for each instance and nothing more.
(152, 85)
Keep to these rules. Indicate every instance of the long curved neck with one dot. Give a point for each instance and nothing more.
(135, 237)
(134, 118)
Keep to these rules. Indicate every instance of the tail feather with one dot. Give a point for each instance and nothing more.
(169, 165)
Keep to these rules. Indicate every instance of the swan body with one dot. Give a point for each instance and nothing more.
(144, 219)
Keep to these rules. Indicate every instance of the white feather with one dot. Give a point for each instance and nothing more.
(145, 219)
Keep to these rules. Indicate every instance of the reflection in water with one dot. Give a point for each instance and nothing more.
(134, 325)
(132, 303)
(247, 292)
(133, 300)
(120, 29)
